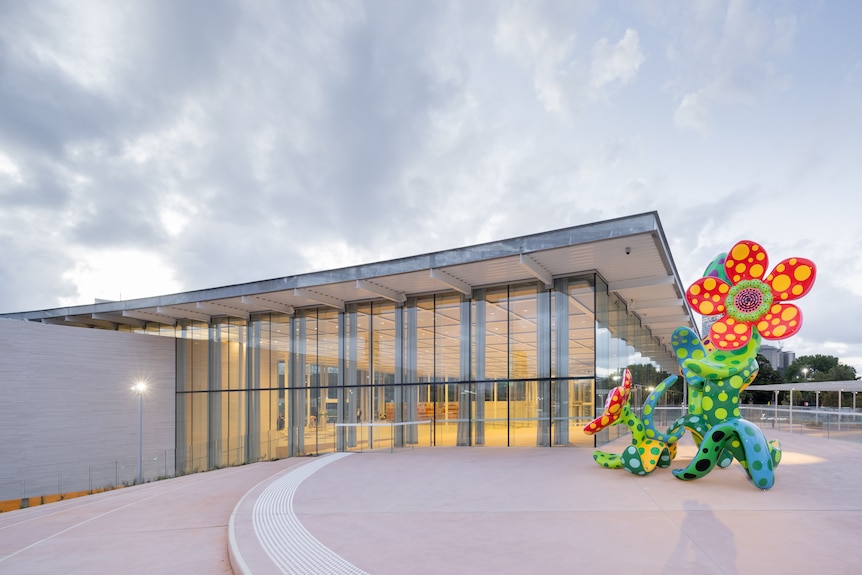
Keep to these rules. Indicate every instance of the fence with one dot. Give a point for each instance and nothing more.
(56, 481)
(828, 423)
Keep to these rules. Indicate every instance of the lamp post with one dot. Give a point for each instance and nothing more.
(140, 387)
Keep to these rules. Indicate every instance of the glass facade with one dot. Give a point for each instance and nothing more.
(513, 365)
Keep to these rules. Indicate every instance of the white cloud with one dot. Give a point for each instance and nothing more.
(80, 42)
(693, 113)
(9, 169)
(618, 62)
(118, 274)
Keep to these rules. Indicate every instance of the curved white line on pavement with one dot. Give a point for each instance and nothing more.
(286, 541)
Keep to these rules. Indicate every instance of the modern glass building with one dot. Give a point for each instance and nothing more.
(509, 343)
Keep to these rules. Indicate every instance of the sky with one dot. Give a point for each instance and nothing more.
(152, 147)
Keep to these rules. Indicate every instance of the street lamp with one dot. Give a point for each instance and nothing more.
(140, 387)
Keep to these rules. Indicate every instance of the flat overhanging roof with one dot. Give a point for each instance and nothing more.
(631, 254)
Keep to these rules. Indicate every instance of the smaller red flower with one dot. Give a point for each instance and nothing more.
(751, 301)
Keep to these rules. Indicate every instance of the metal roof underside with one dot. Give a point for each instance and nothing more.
(630, 253)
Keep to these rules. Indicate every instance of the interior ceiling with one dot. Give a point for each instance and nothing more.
(636, 268)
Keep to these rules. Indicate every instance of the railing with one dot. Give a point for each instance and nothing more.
(366, 433)
(52, 482)
(828, 423)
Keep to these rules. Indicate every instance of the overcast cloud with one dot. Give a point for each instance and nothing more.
(149, 147)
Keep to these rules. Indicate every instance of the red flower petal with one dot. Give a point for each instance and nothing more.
(792, 278)
(707, 295)
(782, 321)
(727, 333)
(747, 260)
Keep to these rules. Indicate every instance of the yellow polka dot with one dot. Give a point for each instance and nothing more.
(780, 268)
(781, 283)
(722, 396)
(779, 331)
(706, 403)
(709, 284)
(797, 290)
(721, 413)
(740, 328)
(730, 337)
(740, 267)
(723, 288)
(757, 271)
(762, 325)
(706, 308)
(736, 382)
(719, 327)
(802, 273)
(614, 408)
(740, 251)
(605, 420)
(760, 256)
(694, 290)
(789, 313)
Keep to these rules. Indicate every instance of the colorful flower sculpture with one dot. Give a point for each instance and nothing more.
(649, 449)
(715, 380)
(751, 306)
(748, 300)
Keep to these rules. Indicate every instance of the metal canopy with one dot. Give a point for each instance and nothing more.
(853, 385)
(631, 254)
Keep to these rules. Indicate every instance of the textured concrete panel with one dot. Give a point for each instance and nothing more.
(68, 416)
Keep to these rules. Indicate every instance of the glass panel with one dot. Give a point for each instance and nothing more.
(604, 366)
(426, 393)
(328, 360)
(574, 359)
(447, 367)
(496, 389)
(383, 353)
(523, 395)
(198, 454)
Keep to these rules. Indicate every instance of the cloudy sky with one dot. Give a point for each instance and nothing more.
(150, 147)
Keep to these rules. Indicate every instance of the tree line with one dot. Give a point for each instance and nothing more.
(804, 368)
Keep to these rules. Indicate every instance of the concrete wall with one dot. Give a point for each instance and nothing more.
(68, 416)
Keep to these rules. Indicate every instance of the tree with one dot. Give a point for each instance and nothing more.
(819, 368)
(810, 368)
(842, 372)
(766, 375)
(645, 375)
